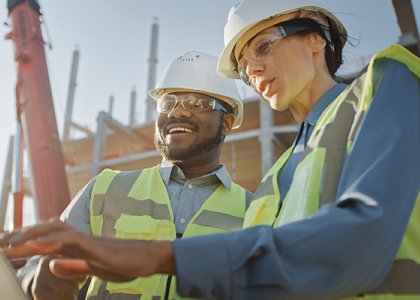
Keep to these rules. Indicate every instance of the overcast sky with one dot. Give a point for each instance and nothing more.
(113, 38)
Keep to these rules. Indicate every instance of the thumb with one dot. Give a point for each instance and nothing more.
(67, 268)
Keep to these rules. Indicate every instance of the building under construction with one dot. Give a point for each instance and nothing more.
(123, 145)
(248, 152)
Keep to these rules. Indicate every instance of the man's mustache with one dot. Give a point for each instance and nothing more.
(169, 123)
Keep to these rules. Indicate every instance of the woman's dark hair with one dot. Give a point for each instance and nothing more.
(334, 39)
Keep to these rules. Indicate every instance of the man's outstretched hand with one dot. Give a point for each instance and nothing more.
(110, 259)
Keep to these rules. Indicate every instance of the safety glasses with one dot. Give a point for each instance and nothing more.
(260, 46)
(190, 102)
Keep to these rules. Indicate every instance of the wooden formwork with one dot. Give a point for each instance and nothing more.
(241, 151)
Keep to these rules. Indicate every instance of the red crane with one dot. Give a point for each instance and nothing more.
(35, 113)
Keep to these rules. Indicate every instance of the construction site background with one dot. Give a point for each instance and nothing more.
(121, 51)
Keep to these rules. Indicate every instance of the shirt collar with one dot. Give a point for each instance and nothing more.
(323, 102)
(170, 171)
(165, 169)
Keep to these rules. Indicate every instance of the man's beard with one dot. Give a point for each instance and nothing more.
(188, 153)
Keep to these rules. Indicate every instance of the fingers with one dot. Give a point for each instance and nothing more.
(75, 268)
(5, 237)
(31, 248)
(130, 258)
(49, 238)
(38, 231)
(22, 235)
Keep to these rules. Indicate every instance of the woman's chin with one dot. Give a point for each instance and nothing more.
(277, 103)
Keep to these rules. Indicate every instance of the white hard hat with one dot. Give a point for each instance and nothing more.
(250, 17)
(195, 72)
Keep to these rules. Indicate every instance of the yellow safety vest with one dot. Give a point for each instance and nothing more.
(136, 205)
(316, 178)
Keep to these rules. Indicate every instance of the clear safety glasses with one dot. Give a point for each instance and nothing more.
(260, 46)
(190, 102)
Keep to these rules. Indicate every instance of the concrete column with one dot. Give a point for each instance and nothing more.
(100, 140)
(70, 95)
(7, 183)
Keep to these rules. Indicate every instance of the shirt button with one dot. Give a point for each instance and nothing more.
(182, 220)
(190, 186)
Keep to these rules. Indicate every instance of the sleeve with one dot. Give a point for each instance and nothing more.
(77, 212)
(27, 273)
(342, 249)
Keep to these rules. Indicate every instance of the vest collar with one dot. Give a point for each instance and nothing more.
(170, 171)
(323, 103)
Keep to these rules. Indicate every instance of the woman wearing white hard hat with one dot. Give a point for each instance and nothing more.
(344, 199)
(341, 197)
(340, 210)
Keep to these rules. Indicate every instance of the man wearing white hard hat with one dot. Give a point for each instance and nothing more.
(190, 193)
(339, 211)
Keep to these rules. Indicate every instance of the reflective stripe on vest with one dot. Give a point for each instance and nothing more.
(266, 201)
(136, 205)
(316, 177)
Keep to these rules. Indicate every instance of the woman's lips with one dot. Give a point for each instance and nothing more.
(265, 86)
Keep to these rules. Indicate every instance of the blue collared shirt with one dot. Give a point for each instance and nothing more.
(188, 195)
(286, 175)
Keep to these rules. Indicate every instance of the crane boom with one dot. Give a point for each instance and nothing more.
(35, 110)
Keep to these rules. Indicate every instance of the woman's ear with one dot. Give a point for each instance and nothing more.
(318, 43)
